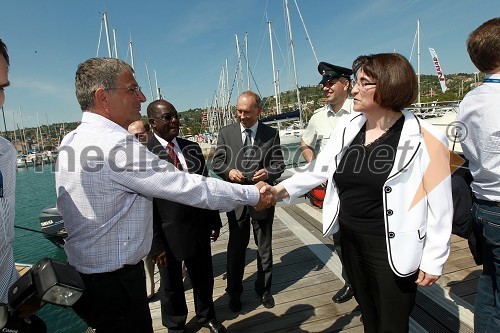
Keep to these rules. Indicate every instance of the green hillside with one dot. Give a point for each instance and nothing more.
(311, 97)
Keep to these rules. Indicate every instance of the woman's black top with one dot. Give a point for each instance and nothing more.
(360, 178)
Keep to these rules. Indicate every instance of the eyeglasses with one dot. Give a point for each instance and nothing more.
(137, 90)
(168, 117)
(363, 85)
(141, 134)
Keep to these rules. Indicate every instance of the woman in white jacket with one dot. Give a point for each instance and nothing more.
(389, 191)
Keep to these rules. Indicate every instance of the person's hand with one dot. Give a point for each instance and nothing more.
(260, 175)
(215, 234)
(425, 279)
(160, 259)
(279, 192)
(235, 176)
(267, 196)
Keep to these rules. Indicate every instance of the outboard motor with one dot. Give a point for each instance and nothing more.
(52, 225)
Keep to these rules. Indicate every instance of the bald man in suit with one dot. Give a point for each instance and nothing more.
(248, 152)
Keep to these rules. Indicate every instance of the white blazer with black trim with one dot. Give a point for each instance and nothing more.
(417, 233)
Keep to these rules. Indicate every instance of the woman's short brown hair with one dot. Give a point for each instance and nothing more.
(397, 85)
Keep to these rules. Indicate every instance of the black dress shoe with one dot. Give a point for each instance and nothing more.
(343, 295)
(268, 301)
(235, 304)
(215, 326)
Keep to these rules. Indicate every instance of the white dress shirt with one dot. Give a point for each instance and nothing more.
(323, 122)
(480, 137)
(105, 182)
(177, 150)
(252, 136)
(8, 272)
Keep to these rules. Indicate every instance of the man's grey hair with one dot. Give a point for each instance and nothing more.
(96, 73)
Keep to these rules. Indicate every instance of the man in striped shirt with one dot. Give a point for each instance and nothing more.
(8, 273)
(105, 182)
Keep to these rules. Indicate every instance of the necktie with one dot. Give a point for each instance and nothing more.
(173, 156)
(248, 143)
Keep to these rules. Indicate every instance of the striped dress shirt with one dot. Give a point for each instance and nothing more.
(105, 182)
(8, 273)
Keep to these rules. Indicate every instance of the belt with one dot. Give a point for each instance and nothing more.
(487, 202)
(103, 276)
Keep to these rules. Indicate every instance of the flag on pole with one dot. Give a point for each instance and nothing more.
(438, 69)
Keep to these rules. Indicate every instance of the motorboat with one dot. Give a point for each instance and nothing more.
(21, 162)
(52, 226)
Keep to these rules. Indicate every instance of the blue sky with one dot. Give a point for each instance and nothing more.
(187, 42)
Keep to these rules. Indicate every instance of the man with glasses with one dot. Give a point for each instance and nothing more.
(182, 233)
(105, 182)
(142, 131)
(8, 272)
(335, 84)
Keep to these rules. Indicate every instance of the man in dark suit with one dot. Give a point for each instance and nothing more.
(248, 152)
(180, 232)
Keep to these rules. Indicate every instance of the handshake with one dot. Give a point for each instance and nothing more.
(268, 196)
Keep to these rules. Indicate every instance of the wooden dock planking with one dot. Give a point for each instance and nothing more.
(303, 286)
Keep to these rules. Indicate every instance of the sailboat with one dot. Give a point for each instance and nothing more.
(292, 133)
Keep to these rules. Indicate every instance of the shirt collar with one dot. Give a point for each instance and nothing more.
(345, 109)
(164, 142)
(253, 128)
(92, 118)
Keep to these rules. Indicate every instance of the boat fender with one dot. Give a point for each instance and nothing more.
(317, 195)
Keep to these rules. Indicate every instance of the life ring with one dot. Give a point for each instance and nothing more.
(200, 139)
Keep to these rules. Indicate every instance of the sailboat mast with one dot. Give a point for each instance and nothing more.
(239, 72)
(48, 128)
(275, 82)
(4, 123)
(278, 88)
(158, 95)
(299, 104)
(149, 81)
(105, 19)
(114, 43)
(226, 106)
(23, 132)
(307, 33)
(37, 139)
(14, 121)
(418, 60)
(246, 58)
(40, 129)
(131, 53)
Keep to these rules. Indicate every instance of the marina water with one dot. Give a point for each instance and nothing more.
(35, 190)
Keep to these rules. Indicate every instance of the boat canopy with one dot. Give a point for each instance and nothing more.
(277, 118)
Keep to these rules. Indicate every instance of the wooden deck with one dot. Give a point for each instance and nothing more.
(307, 273)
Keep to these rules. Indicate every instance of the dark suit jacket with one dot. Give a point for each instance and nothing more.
(183, 230)
(266, 153)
